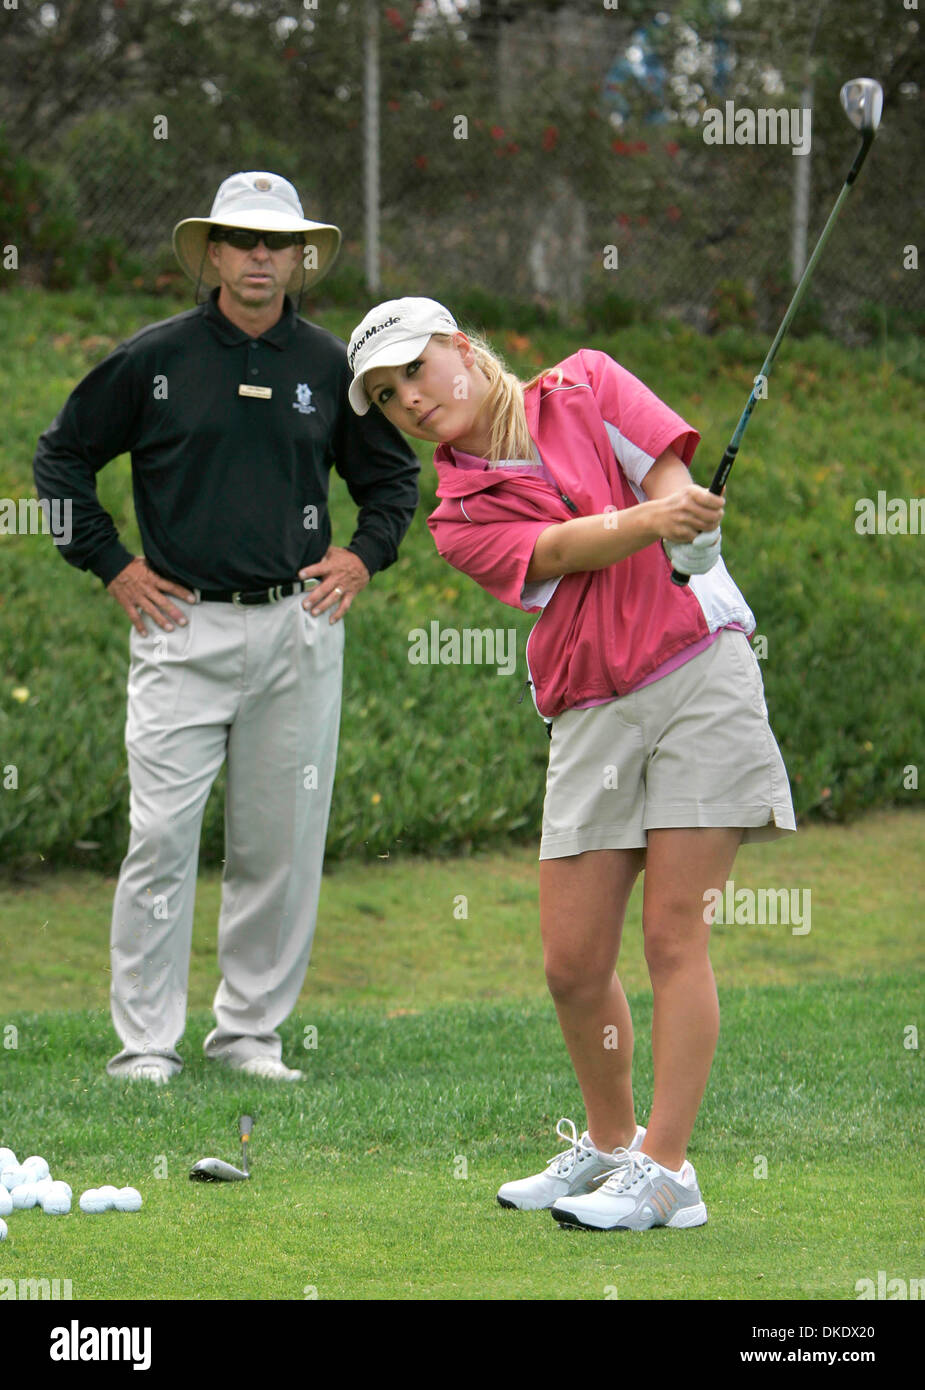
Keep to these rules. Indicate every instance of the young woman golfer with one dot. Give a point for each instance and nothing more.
(570, 496)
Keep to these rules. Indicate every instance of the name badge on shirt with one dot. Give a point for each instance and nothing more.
(260, 393)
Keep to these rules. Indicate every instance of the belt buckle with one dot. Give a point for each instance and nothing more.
(236, 598)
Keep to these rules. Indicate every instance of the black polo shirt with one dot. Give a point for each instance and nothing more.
(230, 490)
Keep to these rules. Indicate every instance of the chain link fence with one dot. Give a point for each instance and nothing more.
(536, 172)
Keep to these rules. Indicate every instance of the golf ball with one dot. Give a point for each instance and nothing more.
(57, 1201)
(91, 1201)
(36, 1167)
(109, 1192)
(127, 1199)
(6, 1202)
(42, 1187)
(8, 1159)
(2, 1229)
(24, 1196)
(13, 1176)
(65, 1187)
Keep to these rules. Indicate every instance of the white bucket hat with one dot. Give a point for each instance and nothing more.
(262, 202)
(392, 334)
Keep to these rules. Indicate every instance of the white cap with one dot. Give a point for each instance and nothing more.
(261, 202)
(392, 334)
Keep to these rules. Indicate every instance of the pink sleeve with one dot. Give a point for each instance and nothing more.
(496, 554)
(640, 425)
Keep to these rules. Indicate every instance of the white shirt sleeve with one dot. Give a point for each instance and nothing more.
(538, 594)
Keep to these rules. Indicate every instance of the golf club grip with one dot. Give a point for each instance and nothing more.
(725, 468)
(716, 487)
(245, 1125)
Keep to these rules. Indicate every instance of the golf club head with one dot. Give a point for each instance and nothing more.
(862, 99)
(215, 1170)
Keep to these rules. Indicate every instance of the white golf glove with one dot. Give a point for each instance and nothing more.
(696, 556)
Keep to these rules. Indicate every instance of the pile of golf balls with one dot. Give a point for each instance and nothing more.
(97, 1199)
(30, 1184)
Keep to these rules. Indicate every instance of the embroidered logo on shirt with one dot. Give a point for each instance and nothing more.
(303, 400)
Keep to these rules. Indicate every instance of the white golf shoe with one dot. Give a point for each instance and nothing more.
(578, 1169)
(639, 1193)
(147, 1071)
(269, 1069)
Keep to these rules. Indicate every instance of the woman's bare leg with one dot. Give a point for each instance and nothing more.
(681, 865)
(583, 901)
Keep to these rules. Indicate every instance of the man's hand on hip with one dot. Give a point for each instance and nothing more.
(140, 590)
(342, 575)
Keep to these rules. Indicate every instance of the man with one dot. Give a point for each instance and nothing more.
(233, 413)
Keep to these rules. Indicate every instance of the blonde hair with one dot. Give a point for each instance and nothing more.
(509, 435)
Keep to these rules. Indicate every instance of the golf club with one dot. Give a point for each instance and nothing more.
(862, 100)
(216, 1170)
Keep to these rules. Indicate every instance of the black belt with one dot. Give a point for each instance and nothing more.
(245, 597)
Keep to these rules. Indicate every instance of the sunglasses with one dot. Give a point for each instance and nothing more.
(243, 239)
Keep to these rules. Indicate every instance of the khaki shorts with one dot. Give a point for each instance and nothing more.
(692, 749)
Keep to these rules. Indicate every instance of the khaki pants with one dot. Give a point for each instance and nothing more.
(259, 687)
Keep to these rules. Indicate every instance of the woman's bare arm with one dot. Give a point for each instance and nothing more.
(677, 510)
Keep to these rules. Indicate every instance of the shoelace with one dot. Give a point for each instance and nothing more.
(560, 1165)
(629, 1171)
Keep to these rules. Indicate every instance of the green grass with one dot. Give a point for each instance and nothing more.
(387, 934)
(354, 1192)
(438, 1053)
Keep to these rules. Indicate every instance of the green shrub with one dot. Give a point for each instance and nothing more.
(607, 311)
(732, 305)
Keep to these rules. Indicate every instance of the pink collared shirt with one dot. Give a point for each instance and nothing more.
(602, 633)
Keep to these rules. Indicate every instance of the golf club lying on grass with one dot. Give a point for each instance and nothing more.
(862, 99)
(215, 1170)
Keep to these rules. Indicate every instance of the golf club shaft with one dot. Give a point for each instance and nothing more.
(732, 448)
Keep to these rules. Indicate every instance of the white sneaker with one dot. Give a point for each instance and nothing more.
(639, 1194)
(579, 1169)
(269, 1069)
(147, 1071)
